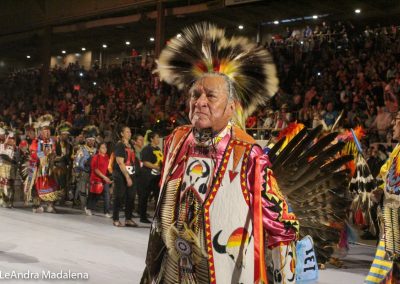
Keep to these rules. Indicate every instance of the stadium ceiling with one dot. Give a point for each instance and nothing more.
(91, 23)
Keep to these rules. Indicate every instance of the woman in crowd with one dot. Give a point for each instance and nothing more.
(99, 182)
(152, 158)
(124, 170)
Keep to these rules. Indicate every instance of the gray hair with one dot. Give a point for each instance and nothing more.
(232, 95)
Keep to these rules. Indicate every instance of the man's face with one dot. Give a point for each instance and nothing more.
(31, 134)
(64, 136)
(45, 133)
(209, 105)
(90, 141)
(329, 107)
(374, 152)
(396, 128)
(11, 141)
(139, 141)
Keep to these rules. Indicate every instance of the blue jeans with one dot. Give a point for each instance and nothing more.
(106, 196)
(93, 198)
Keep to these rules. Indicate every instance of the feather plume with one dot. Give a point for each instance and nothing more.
(64, 126)
(90, 131)
(312, 176)
(44, 121)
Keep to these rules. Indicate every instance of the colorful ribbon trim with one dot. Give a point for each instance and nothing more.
(260, 274)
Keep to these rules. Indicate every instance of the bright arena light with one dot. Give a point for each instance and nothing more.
(357, 11)
(276, 22)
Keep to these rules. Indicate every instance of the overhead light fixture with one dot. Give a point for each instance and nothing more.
(178, 35)
(63, 52)
(152, 39)
(77, 54)
(315, 17)
(83, 49)
(94, 83)
(276, 22)
(104, 45)
(80, 74)
(241, 27)
(28, 56)
(357, 11)
(127, 42)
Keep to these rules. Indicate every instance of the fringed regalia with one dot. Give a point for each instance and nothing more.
(8, 172)
(63, 160)
(385, 268)
(40, 184)
(221, 197)
(202, 186)
(362, 181)
(41, 176)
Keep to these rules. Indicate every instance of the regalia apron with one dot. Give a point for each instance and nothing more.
(207, 241)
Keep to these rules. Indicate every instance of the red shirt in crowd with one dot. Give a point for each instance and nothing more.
(98, 162)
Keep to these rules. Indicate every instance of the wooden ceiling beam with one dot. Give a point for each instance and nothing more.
(177, 11)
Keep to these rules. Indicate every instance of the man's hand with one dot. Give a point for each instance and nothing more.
(107, 180)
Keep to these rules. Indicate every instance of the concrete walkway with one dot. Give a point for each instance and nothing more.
(71, 241)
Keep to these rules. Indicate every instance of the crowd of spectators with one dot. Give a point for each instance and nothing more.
(127, 94)
(329, 69)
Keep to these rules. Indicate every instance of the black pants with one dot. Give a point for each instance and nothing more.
(122, 194)
(150, 184)
(135, 193)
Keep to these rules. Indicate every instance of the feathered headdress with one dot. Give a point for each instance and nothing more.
(44, 121)
(64, 127)
(28, 126)
(90, 131)
(203, 48)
